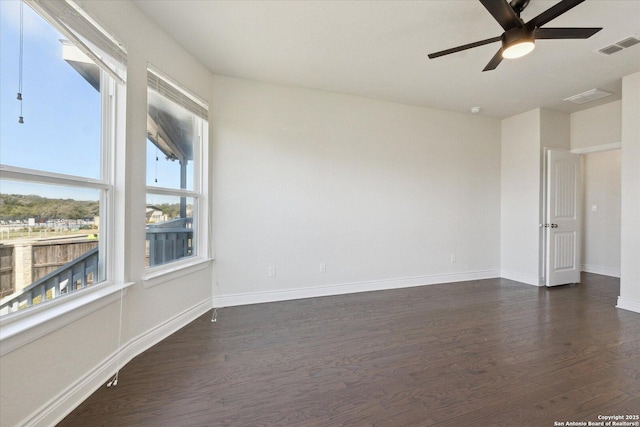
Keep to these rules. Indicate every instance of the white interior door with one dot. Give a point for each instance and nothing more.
(563, 217)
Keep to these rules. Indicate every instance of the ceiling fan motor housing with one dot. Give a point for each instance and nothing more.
(516, 36)
(518, 5)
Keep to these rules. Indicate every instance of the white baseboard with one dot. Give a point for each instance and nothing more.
(66, 401)
(597, 269)
(229, 300)
(522, 278)
(628, 304)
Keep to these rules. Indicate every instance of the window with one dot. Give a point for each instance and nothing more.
(176, 160)
(56, 176)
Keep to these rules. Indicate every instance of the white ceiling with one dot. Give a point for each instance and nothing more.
(379, 49)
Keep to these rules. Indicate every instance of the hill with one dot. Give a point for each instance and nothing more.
(22, 207)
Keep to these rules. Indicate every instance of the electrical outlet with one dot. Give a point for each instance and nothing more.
(272, 271)
(453, 257)
(323, 267)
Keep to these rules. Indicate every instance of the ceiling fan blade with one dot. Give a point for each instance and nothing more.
(464, 47)
(553, 12)
(565, 33)
(495, 61)
(503, 13)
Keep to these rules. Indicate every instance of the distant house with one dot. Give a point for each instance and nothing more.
(155, 214)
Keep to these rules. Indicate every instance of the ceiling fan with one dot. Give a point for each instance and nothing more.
(519, 37)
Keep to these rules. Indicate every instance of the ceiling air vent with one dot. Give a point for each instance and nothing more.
(588, 96)
(628, 42)
(619, 45)
(609, 49)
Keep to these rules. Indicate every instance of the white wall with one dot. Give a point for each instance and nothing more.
(630, 208)
(555, 129)
(597, 126)
(524, 138)
(601, 226)
(594, 132)
(46, 378)
(382, 193)
(520, 198)
(37, 375)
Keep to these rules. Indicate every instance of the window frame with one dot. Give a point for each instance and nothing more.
(104, 184)
(200, 259)
(22, 327)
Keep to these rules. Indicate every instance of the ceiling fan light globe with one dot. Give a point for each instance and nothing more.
(518, 49)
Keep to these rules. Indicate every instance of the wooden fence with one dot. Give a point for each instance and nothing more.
(48, 257)
(24, 262)
(7, 286)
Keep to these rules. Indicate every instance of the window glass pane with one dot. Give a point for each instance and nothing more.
(175, 122)
(49, 242)
(170, 229)
(171, 132)
(163, 171)
(61, 99)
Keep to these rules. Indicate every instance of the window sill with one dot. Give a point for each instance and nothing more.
(21, 328)
(174, 270)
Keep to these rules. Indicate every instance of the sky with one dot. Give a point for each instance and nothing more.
(61, 132)
(61, 110)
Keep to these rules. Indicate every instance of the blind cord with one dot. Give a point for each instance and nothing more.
(156, 164)
(20, 60)
(114, 380)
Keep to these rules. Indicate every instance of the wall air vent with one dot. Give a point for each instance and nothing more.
(588, 96)
(619, 45)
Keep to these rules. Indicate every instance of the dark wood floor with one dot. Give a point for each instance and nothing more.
(480, 353)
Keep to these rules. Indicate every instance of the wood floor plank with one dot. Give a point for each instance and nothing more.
(483, 353)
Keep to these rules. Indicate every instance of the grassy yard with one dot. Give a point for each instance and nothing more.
(43, 233)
